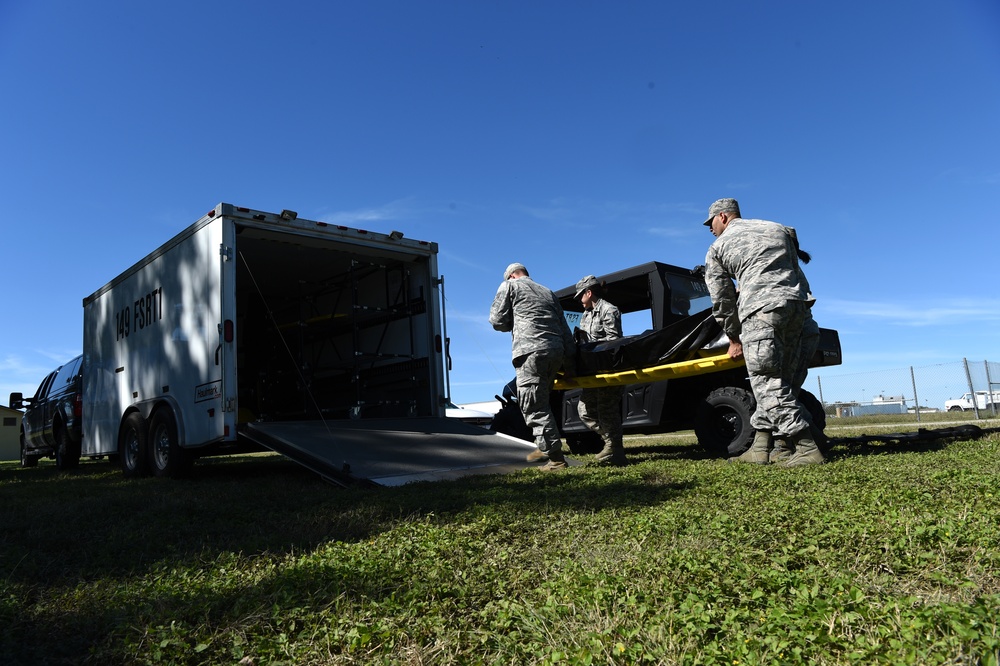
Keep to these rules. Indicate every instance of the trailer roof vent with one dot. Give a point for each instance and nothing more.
(288, 215)
(396, 235)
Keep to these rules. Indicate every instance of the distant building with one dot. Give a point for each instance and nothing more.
(882, 404)
(10, 434)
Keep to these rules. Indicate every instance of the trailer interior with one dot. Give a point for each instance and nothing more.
(328, 334)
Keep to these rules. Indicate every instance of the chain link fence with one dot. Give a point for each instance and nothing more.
(949, 392)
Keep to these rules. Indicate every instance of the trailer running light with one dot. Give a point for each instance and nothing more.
(227, 330)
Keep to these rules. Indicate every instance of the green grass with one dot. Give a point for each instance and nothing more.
(887, 554)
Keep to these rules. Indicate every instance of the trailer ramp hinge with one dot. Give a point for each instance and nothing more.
(226, 252)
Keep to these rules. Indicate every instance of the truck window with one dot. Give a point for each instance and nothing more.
(43, 388)
(66, 375)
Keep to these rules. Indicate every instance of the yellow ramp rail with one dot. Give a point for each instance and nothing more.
(698, 366)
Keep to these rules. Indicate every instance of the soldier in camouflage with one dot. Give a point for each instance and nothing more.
(601, 408)
(769, 323)
(542, 345)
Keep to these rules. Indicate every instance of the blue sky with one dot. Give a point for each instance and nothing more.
(575, 137)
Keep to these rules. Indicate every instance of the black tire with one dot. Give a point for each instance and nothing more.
(26, 460)
(955, 408)
(722, 423)
(815, 408)
(581, 443)
(510, 421)
(133, 450)
(817, 418)
(166, 457)
(67, 451)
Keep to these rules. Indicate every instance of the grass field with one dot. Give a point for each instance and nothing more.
(886, 554)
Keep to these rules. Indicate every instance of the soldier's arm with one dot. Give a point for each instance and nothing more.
(502, 310)
(723, 291)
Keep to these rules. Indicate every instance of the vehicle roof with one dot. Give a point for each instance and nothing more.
(629, 289)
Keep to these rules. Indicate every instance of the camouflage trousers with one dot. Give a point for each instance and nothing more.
(600, 410)
(778, 346)
(535, 373)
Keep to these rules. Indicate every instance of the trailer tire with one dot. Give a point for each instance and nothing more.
(67, 452)
(133, 450)
(26, 460)
(166, 457)
(722, 423)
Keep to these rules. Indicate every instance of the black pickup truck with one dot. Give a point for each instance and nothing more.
(51, 422)
(716, 405)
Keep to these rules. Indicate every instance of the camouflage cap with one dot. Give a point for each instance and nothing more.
(514, 267)
(721, 206)
(585, 283)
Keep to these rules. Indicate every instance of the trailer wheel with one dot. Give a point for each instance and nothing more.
(166, 457)
(67, 453)
(132, 447)
(722, 423)
(26, 460)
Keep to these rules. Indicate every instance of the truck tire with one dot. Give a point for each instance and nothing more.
(722, 423)
(133, 450)
(581, 443)
(815, 408)
(510, 421)
(26, 460)
(166, 457)
(955, 408)
(817, 416)
(67, 452)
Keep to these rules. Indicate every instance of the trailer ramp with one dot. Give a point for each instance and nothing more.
(391, 452)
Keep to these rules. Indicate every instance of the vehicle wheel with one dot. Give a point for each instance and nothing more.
(26, 460)
(510, 421)
(132, 447)
(817, 415)
(67, 453)
(814, 407)
(955, 408)
(166, 457)
(587, 442)
(722, 423)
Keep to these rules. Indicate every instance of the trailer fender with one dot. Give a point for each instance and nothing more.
(147, 408)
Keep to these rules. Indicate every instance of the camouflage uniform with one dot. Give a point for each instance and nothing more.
(600, 409)
(542, 344)
(770, 315)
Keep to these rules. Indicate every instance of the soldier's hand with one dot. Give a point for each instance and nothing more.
(735, 349)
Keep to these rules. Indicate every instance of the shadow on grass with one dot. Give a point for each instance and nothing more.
(91, 523)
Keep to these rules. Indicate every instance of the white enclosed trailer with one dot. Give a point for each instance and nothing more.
(322, 342)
